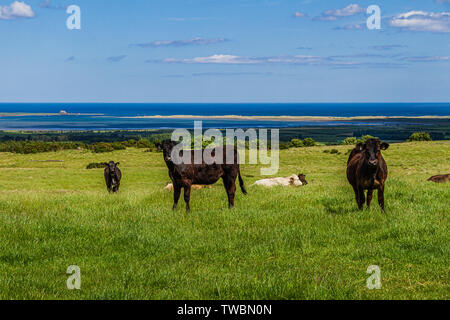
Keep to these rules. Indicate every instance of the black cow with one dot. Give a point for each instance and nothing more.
(302, 178)
(440, 178)
(367, 170)
(185, 175)
(112, 176)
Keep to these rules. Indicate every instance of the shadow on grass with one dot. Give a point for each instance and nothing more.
(337, 206)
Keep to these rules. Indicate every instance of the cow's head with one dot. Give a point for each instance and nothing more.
(167, 147)
(372, 151)
(112, 167)
(302, 178)
(158, 146)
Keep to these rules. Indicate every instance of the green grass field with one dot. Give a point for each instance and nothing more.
(284, 243)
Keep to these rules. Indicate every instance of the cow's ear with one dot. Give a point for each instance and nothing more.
(384, 146)
(117, 163)
(106, 164)
(360, 146)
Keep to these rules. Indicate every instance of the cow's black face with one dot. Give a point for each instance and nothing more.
(167, 147)
(112, 168)
(372, 151)
(302, 178)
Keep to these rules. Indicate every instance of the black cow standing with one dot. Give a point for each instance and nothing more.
(367, 170)
(185, 175)
(112, 176)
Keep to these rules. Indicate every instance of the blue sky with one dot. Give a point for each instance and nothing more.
(225, 51)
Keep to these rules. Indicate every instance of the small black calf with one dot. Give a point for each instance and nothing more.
(112, 176)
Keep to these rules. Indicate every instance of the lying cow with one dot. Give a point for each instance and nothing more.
(367, 170)
(112, 176)
(441, 178)
(184, 175)
(194, 186)
(294, 180)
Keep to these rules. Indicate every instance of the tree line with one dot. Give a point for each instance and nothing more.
(38, 146)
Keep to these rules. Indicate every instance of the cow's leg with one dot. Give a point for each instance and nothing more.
(361, 198)
(369, 197)
(187, 196)
(381, 197)
(176, 195)
(230, 187)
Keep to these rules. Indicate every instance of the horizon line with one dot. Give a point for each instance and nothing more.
(261, 102)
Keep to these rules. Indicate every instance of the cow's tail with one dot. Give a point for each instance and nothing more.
(241, 182)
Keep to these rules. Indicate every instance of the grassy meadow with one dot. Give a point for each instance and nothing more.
(307, 242)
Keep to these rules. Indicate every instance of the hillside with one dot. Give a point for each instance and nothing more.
(284, 243)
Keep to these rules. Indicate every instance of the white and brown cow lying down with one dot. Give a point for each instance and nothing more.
(293, 180)
(194, 186)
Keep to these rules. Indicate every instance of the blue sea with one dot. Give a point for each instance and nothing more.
(112, 116)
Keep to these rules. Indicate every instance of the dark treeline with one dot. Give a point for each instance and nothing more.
(87, 137)
(438, 130)
(96, 141)
(105, 141)
(30, 146)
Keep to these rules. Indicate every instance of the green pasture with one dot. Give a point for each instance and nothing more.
(305, 242)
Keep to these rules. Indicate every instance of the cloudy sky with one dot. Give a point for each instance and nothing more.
(225, 51)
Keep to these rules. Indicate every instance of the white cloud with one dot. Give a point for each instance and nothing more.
(349, 10)
(422, 21)
(303, 60)
(332, 15)
(180, 43)
(48, 5)
(45, 4)
(299, 14)
(16, 10)
(214, 59)
(428, 59)
(386, 47)
(350, 27)
(116, 58)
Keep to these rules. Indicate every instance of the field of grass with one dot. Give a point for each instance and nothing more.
(284, 243)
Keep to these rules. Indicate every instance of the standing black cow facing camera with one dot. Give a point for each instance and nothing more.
(367, 170)
(112, 176)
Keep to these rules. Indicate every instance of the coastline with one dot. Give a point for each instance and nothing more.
(25, 114)
(227, 117)
(284, 118)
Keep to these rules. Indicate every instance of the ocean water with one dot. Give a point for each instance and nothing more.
(108, 116)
